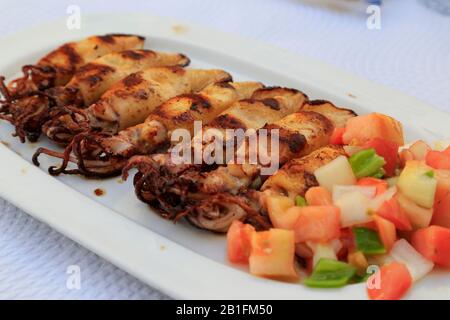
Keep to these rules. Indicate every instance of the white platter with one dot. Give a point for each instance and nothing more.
(180, 260)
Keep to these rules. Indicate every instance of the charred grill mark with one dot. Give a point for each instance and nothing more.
(123, 35)
(322, 102)
(295, 141)
(272, 103)
(186, 59)
(271, 89)
(249, 100)
(133, 80)
(268, 89)
(108, 38)
(318, 102)
(226, 121)
(141, 94)
(137, 55)
(310, 180)
(198, 102)
(321, 121)
(184, 117)
(224, 84)
(93, 73)
(177, 70)
(72, 56)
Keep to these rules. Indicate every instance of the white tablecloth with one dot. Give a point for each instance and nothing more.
(411, 53)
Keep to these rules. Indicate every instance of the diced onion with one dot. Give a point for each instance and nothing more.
(354, 208)
(392, 181)
(336, 172)
(417, 265)
(324, 250)
(376, 202)
(351, 150)
(339, 191)
(419, 150)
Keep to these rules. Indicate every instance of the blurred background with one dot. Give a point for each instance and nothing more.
(403, 44)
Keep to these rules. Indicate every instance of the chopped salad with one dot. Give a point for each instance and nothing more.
(380, 215)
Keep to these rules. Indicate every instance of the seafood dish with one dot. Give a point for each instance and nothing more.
(302, 190)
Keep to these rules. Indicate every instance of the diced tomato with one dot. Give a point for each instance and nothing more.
(404, 156)
(359, 130)
(318, 196)
(391, 210)
(438, 159)
(386, 149)
(280, 216)
(317, 223)
(273, 254)
(303, 250)
(395, 280)
(337, 136)
(347, 239)
(309, 265)
(434, 244)
(239, 242)
(418, 216)
(441, 211)
(367, 225)
(381, 185)
(386, 230)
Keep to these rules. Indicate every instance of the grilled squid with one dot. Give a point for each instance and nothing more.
(297, 175)
(89, 82)
(58, 66)
(126, 104)
(294, 178)
(177, 113)
(162, 182)
(299, 134)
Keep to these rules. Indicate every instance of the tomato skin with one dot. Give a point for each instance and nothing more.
(441, 209)
(387, 231)
(438, 159)
(381, 185)
(317, 224)
(361, 129)
(318, 196)
(434, 244)
(337, 137)
(347, 239)
(395, 280)
(391, 210)
(386, 149)
(239, 242)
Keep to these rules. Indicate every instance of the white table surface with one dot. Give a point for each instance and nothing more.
(410, 53)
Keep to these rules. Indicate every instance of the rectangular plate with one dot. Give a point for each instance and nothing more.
(180, 260)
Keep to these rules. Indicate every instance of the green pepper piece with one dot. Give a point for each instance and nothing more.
(430, 174)
(329, 273)
(360, 278)
(300, 201)
(368, 242)
(367, 163)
